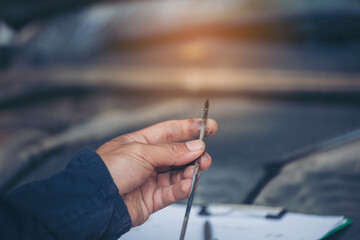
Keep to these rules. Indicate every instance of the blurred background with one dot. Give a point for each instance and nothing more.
(282, 76)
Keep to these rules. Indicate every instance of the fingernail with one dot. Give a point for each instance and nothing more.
(205, 156)
(195, 145)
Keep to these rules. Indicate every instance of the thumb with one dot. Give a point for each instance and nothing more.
(173, 154)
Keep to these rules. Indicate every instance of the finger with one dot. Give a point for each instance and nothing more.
(187, 173)
(163, 179)
(168, 154)
(176, 176)
(204, 165)
(171, 131)
(205, 161)
(170, 194)
(172, 177)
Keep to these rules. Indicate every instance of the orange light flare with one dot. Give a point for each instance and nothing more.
(193, 52)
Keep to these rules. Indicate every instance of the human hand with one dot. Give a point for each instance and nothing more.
(139, 164)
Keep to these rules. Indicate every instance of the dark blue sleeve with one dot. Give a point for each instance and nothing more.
(79, 202)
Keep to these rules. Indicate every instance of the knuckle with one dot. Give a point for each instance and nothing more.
(192, 122)
(162, 200)
(174, 148)
(170, 147)
(168, 125)
(193, 127)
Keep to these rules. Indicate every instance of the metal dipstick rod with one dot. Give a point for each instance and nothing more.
(195, 174)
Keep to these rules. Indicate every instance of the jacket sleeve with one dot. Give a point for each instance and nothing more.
(79, 202)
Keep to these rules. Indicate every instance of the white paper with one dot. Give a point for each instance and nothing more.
(233, 225)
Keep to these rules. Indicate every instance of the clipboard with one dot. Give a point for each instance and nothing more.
(248, 210)
(233, 222)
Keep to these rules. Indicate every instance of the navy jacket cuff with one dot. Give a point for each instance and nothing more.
(121, 221)
(80, 202)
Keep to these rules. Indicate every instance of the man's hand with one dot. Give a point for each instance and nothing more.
(139, 164)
